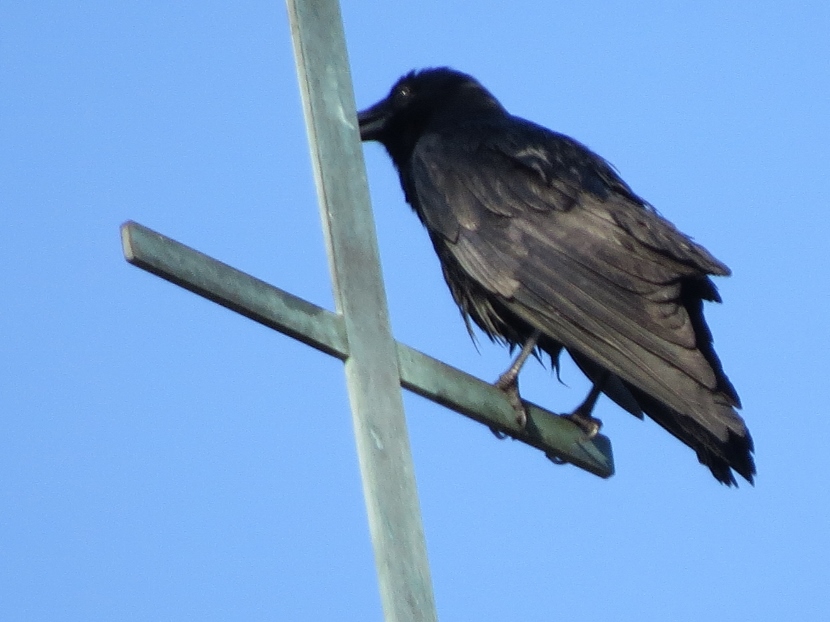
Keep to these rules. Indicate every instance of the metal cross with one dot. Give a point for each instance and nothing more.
(358, 332)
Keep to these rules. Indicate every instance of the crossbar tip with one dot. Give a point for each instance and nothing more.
(127, 241)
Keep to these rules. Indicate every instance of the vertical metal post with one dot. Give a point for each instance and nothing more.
(371, 369)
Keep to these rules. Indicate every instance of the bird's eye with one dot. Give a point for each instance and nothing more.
(403, 93)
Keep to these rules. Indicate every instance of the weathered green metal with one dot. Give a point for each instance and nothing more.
(234, 289)
(326, 331)
(558, 437)
(372, 374)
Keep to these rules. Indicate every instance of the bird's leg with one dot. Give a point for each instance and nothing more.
(509, 380)
(581, 416)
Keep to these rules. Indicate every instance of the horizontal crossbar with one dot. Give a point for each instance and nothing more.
(559, 438)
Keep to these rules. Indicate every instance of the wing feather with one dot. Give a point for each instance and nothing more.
(599, 272)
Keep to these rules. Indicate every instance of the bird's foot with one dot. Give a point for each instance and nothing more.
(509, 383)
(588, 424)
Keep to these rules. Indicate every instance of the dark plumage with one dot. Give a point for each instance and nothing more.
(535, 232)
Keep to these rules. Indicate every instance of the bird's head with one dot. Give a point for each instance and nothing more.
(423, 100)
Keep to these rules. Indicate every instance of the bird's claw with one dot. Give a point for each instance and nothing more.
(498, 433)
(509, 384)
(555, 459)
(588, 424)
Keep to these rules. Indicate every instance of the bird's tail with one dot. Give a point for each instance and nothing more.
(721, 456)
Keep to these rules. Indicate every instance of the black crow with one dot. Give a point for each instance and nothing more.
(543, 246)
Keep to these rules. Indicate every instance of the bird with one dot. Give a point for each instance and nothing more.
(545, 248)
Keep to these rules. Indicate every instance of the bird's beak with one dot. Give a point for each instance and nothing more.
(373, 121)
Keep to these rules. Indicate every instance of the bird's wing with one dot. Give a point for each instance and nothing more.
(582, 259)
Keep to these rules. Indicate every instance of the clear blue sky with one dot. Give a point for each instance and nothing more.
(162, 458)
